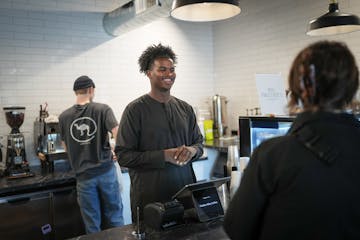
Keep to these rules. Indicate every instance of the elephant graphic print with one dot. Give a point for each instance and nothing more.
(83, 130)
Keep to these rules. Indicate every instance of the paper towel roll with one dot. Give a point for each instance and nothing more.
(232, 158)
(243, 162)
(234, 181)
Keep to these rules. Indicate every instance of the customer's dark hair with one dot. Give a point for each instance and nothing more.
(153, 52)
(327, 71)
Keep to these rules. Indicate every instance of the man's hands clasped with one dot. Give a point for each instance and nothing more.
(179, 156)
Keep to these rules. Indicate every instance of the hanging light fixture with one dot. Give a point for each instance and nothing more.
(333, 22)
(204, 10)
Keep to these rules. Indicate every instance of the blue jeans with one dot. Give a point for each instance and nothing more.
(100, 202)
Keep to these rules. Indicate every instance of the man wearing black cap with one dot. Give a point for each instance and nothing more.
(84, 129)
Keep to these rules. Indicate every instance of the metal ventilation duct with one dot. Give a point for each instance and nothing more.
(135, 14)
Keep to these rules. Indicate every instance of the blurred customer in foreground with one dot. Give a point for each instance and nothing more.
(158, 135)
(84, 129)
(306, 185)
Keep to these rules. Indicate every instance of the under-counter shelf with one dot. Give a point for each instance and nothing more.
(40, 207)
(23, 216)
(50, 214)
(66, 217)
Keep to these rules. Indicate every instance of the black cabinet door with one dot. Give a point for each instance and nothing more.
(25, 216)
(66, 214)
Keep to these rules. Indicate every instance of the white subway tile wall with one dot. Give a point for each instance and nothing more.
(265, 38)
(43, 52)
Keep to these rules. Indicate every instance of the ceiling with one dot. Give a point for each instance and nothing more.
(64, 5)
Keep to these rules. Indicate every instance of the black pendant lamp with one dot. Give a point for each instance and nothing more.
(204, 10)
(333, 22)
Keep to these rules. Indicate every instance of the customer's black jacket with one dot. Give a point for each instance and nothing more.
(305, 185)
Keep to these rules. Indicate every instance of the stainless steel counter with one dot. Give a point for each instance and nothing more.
(222, 144)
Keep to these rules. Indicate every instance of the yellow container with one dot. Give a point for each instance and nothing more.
(208, 129)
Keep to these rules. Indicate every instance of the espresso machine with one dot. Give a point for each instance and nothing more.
(47, 140)
(16, 165)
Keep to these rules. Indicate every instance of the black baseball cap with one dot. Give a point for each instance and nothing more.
(83, 82)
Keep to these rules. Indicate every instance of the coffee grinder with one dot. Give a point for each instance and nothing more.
(16, 163)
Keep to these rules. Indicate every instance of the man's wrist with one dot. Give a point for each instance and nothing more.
(193, 151)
